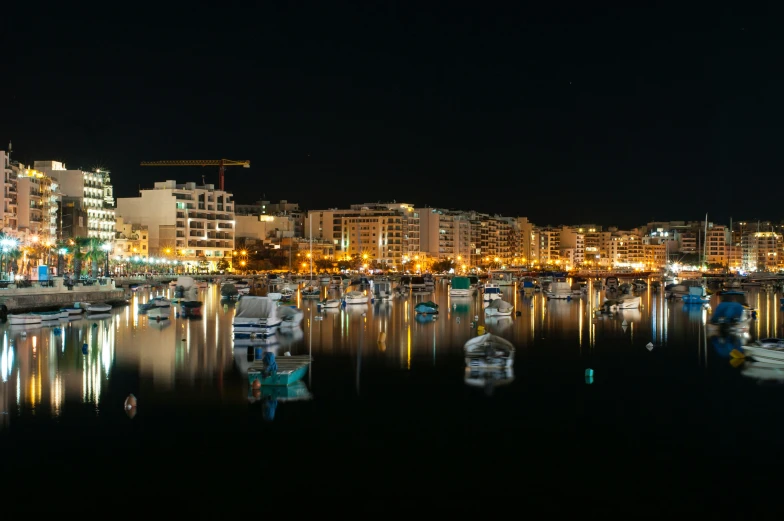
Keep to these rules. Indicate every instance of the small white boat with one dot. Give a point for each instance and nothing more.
(355, 297)
(769, 350)
(489, 351)
(74, 311)
(24, 319)
(627, 302)
(98, 308)
(499, 307)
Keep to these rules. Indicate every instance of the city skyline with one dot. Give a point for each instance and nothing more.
(616, 116)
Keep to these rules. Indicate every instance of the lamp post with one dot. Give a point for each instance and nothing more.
(106, 247)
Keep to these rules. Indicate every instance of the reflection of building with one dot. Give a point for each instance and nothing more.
(202, 217)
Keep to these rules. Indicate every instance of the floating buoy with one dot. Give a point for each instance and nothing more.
(84, 349)
(589, 372)
(256, 384)
(130, 402)
(589, 380)
(649, 346)
(737, 354)
(480, 329)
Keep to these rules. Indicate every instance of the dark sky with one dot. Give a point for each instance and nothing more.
(615, 116)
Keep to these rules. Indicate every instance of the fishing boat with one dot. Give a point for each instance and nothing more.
(491, 292)
(696, 295)
(769, 350)
(284, 370)
(73, 311)
(290, 317)
(255, 316)
(330, 303)
(528, 285)
(98, 308)
(310, 291)
(489, 352)
(355, 297)
(24, 319)
(286, 294)
(426, 308)
(499, 307)
(460, 287)
(733, 312)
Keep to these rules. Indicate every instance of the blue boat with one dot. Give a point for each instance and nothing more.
(425, 319)
(696, 295)
(426, 308)
(284, 370)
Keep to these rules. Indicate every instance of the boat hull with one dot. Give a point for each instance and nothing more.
(20, 320)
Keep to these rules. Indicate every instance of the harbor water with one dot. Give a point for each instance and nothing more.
(387, 407)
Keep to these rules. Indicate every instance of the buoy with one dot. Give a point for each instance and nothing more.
(382, 336)
(130, 402)
(589, 372)
(84, 349)
(476, 317)
(95, 325)
(480, 329)
(589, 380)
(737, 354)
(649, 346)
(256, 384)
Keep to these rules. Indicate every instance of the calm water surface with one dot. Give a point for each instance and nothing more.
(399, 417)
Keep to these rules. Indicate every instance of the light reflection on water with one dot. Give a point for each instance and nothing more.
(42, 368)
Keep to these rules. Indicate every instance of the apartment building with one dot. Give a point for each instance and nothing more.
(132, 240)
(197, 222)
(94, 192)
(717, 242)
(376, 232)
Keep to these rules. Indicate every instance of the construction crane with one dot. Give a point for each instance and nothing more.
(220, 163)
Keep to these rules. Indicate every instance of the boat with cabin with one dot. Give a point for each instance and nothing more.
(491, 292)
(460, 287)
(355, 297)
(382, 290)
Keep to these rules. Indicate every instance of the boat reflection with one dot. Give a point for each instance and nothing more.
(267, 398)
(723, 345)
(763, 372)
(488, 379)
(498, 325)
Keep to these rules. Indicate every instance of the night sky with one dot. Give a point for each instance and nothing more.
(615, 116)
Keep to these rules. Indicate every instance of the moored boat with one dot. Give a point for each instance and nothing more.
(489, 351)
(284, 370)
(355, 297)
(460, 287)
(769, 350)
(24, 318)
(426, 308)
(255, 316)
(98, 308)
(491, 292)
(499, 307)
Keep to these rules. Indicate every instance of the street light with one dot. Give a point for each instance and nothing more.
(107, 247)
(7, 245)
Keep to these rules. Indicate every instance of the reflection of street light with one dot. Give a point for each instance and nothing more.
(106, 248)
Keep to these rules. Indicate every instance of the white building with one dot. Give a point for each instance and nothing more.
(94, 190)
(195, 222)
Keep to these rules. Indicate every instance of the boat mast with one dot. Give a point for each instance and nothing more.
(705, 243)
